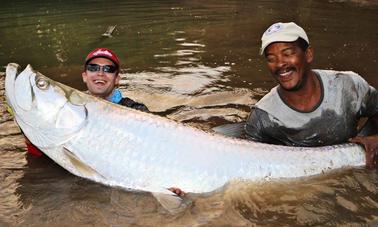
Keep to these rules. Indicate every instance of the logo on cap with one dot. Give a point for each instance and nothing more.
(274, 28)
(102, 52)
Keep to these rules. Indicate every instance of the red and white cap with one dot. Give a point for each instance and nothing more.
(103, 53)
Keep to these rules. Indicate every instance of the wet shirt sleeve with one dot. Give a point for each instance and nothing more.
(256, 125)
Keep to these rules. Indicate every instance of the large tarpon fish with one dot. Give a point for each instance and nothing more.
(119, 146)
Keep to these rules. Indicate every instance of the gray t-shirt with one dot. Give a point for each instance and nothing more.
(346, 97)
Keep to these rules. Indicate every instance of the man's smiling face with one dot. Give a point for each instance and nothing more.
(100, 83)
(288, 64)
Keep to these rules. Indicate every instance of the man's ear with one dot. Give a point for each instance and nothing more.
(118, 78)
(84, 75)
(309, 54)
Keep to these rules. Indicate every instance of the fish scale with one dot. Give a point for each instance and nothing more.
(119, 146)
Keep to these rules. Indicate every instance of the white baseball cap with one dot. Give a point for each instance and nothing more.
(282, 32)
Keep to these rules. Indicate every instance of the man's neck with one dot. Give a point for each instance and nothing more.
(115, 96)
(307, 97)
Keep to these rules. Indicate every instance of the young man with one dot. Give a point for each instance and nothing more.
(101, 75)
(310, 107)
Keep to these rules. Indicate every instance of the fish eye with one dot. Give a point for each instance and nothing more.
(42, 83)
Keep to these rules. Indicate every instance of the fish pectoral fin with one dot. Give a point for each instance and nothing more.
(84, 169)
(170, 201)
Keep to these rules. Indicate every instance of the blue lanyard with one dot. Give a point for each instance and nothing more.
(116, 96)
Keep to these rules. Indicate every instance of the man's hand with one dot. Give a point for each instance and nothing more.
(370, 144)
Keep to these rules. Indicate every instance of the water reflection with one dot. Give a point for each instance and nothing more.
(187, 90)
(12, 166)
(184, 80)
(322, 203)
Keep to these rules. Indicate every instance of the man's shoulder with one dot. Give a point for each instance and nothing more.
(342, 80)
(333, 75)
(271, 102)
(271, 106)
(270, 98)
(334, 72)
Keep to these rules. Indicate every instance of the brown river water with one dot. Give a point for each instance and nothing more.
(195, 62)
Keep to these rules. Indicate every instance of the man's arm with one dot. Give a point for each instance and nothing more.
(132, 104)
(256, 127)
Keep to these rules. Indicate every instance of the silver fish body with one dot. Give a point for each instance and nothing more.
(118, 146)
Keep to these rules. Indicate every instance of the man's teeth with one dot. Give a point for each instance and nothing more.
(99, 81)
(285, 73)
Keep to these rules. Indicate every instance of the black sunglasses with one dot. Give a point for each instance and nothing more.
(105, 68)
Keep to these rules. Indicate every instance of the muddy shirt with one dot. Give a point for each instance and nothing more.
(346, 97)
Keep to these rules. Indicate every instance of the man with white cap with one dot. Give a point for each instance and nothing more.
(310, 107)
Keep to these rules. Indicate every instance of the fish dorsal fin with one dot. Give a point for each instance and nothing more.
(170, 201)
(82, 168)
(232, 130)
(109, 31)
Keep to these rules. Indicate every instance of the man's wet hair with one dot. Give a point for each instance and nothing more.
(302, 44)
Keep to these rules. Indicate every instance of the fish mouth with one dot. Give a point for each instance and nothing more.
(18, 87)
(10, 78)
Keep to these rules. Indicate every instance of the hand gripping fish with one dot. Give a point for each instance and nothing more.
(119, 146)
